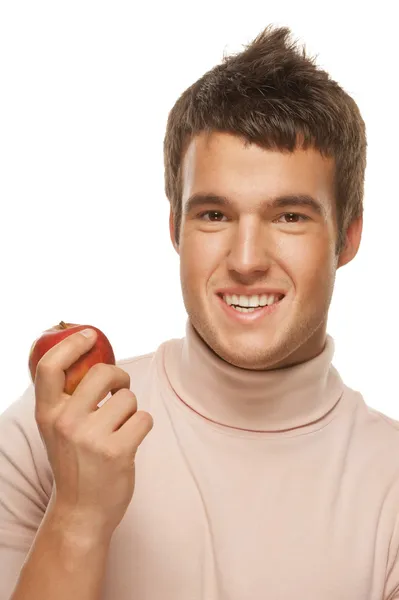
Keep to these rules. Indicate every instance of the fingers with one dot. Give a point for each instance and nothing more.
(115, 412)
(132, 433)
(50, 376)
(118, 416)
(94, 387)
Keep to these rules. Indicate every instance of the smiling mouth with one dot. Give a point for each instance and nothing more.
(249, 304)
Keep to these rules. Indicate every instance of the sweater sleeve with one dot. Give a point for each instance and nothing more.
(25, 487)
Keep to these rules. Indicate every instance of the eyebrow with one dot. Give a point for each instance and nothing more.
(197, 200)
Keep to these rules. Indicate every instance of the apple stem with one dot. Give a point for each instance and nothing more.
(63, 325)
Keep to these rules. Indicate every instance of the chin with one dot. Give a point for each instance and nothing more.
(251, 357)
(255, 352)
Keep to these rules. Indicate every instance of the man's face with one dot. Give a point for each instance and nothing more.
(248, 246)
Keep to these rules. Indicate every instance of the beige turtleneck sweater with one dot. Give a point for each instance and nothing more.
(277, 484)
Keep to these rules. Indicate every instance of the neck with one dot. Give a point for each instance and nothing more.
(274, 400)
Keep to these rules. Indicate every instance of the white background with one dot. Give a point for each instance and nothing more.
(85, 92)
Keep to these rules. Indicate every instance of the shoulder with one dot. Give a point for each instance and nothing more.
(387, 423)
(385, 431)
(374, 438)
(375, 421)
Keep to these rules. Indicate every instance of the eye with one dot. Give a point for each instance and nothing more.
(210, 212)
(303, 217)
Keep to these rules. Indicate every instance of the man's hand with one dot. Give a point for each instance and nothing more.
(91, 450)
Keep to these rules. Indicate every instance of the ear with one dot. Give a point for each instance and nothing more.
(353, 237)
(172, 230)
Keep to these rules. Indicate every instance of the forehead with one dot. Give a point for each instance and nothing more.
(224, 164)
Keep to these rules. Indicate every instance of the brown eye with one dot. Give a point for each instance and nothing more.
(211, 214)
(294, 216)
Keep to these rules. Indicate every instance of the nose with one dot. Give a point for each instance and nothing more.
(248, 252)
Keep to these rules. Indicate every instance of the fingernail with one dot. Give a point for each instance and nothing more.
(89, 333)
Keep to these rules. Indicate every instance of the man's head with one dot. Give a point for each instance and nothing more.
(264, 169)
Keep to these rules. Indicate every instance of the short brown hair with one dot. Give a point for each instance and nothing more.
(273, 94)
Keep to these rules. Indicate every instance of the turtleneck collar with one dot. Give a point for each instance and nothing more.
(269, 401)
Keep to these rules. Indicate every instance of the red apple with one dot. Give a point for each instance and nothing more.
(101, 352)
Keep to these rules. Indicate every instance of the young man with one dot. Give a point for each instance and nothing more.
(258, 472)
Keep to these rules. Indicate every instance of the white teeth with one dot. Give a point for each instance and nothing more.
(243, 301)
(251, 301)
(249, 309)
(254, 301)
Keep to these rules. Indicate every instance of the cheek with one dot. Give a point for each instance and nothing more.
(312, 267)
(200, 255)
